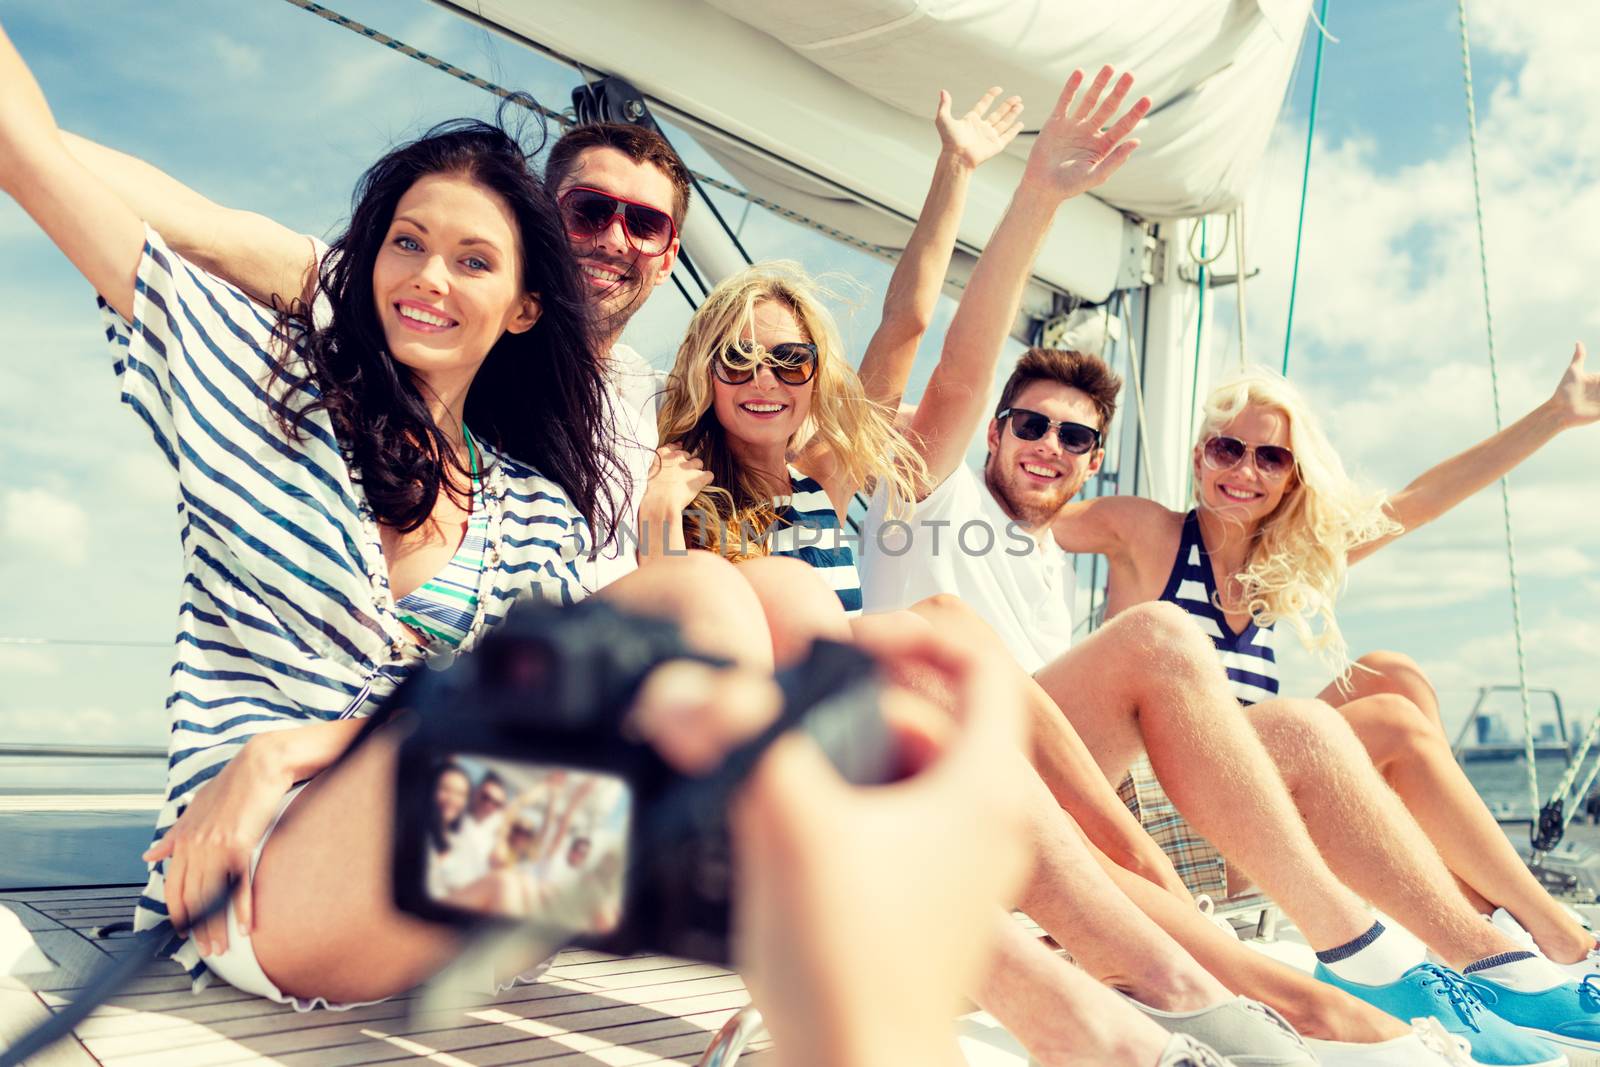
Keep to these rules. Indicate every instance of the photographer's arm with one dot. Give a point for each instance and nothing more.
(859, 952)
(264, 258)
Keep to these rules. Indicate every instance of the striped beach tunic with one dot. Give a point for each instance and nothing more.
(286, 616)
(1250, 660)
(807, 528)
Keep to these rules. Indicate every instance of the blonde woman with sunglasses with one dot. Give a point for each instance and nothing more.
(1275, 524)
(766, 430)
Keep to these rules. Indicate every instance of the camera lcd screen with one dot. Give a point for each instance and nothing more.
(528, 841)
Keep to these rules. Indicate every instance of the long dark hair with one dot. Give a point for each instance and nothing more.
(439, 831)
(539, 396)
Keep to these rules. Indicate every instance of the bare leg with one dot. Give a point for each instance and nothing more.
(1408, 745)
(325, 920)
(1062, 759)
(1315, 1008)
(799, 608)
(1149, 681)
(1366, 833)
(1072, 898)
(1062, 1016)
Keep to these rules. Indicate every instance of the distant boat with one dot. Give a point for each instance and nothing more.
(1495, 735)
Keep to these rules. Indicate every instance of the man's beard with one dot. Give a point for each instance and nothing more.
(614, 307)
(1034, 513)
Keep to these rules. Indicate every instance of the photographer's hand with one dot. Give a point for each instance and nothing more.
(863, 912)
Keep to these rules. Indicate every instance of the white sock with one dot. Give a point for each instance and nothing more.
(1377, 957)
(1522, 971)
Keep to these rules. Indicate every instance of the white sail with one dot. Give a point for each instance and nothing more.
(822, 108)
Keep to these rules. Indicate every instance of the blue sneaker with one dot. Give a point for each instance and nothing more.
(1428, 991)
(1567, 1015)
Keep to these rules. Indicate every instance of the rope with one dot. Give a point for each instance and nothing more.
(1494, 383)
(1305, 182)
(1583, 793)
(1241, 268)
(1558, 795)
(565, 121)
(1199, 333)
(1200, 257)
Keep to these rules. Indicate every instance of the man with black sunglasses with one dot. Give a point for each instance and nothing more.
(1149, 683)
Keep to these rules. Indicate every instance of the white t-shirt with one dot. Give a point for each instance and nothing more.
(959, 541)
(633, 390)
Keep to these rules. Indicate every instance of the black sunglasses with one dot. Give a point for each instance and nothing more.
(792, 363)
(1027, 425)
(1272, 461)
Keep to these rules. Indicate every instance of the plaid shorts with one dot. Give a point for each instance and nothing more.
(1197, 860)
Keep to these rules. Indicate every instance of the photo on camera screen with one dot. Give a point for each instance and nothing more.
(540, 843)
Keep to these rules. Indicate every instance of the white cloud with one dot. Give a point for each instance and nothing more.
(1389, 343)
(23, 659)
(54, 528)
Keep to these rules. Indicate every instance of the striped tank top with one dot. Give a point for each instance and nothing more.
(1248, 656)
(807, 529)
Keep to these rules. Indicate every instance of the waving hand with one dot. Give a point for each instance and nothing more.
(1077, 150)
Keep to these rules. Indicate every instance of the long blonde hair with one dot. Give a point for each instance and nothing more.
(859, 433)
(1294, 568)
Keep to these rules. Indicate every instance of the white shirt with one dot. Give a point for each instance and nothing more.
(959, 541)
(633, 390)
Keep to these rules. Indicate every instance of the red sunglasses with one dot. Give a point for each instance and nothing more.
(588, 213)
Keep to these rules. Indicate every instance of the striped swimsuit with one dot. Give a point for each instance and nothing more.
(1251, 664)
(286, 617)
(808, 529)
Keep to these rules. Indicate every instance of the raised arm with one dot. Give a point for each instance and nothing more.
(1075, 151)
(966, 143)
(1576, 402)
(85, 219)
(264, 258)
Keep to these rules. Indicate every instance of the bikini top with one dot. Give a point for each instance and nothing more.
(442, 608)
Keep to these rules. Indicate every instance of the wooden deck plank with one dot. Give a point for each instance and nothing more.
(75, 958)
(449, 1030)
(20, 1011)
(32, 918)
(590, 1008)
(129, 893)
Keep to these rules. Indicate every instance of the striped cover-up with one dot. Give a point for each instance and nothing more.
(807, 528)
(1251, 664)
(286, 617)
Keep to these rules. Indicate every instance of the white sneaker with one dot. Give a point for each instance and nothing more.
(1428, 1045)
(1208, 908)
(1507, 924)
(1184, 1051)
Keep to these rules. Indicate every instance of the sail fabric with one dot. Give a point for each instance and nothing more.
(1216, 71)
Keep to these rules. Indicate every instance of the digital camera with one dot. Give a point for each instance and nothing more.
(523, 795)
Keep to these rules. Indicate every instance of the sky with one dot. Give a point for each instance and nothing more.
(275, 110)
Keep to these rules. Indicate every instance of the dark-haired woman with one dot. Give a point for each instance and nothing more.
(359, 490)
(452, 788)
